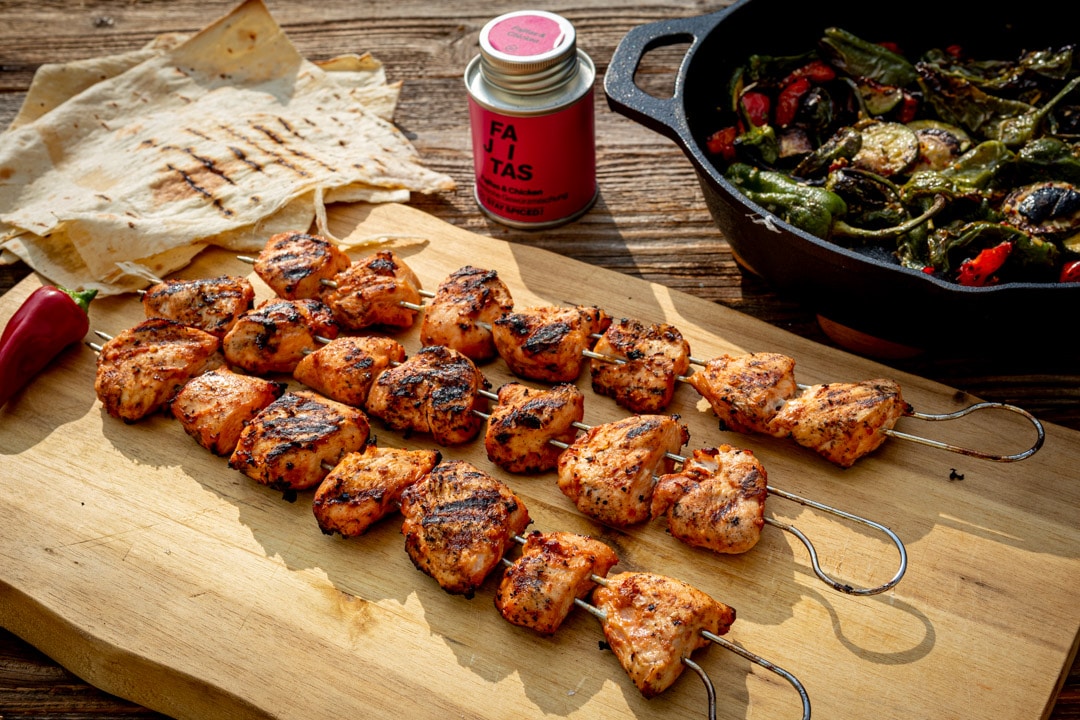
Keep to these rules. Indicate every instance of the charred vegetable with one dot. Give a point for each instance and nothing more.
(962, 167)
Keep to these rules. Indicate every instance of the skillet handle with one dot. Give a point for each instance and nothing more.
(664, 115)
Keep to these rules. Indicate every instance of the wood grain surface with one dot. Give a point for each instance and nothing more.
(650, 221)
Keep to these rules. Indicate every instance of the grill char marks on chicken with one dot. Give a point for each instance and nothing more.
(370, 292)
(345, 368)
(746, 391)
(214, 407)
(463, 310)
(842, 421)
(366, 486)
(525, 420)
(141, 369)
(459, 522)
(275, 336)
(546, 342)
(716, 501)
(209, 304)
(286, 446)
(538, 590)
(435, 391)
(294, 264)
(654, 355)
(609, 471)
(652, 622)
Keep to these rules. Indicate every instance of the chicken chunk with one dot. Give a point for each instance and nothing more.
(538, 590)
(215, 407)
(746, 391)
(366, 486)
(295, 264)
(274, 337)
(434, 391)
(651, 622)
(524, 422)
(461, 314)
(345, 368)
(141, 369)
(289, 444)
(371, 292)
(546, 342)
(610, 470)
(459, 522)
(210, 304)
(842, 421)
(716, 501)
(653, 357)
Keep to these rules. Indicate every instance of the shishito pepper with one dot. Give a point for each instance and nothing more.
(807, 207)
(51, 319)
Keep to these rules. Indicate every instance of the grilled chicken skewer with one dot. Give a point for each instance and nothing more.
(141, 369)
(731, 479)
(209, 304)
(295, 264)
(459, 522)
(214, 407)
(275, 336)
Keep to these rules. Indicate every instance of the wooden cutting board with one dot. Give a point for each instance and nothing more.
(149, 568)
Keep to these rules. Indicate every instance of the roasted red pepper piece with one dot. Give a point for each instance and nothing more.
(756, 107)
(979, 271)
(787, 102)
(817, 71)
(1070, 272)
(51, 319)
(722, 143)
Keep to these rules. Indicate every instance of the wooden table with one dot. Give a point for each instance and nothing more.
(650, 220)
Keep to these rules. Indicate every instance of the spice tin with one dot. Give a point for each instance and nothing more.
(532, 121)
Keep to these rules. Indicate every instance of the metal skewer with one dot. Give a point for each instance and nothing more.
(843, 587)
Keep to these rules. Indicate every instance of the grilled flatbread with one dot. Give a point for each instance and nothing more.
(225, 138)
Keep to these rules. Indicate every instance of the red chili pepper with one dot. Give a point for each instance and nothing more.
(787, 102)
(756, 106)
(1070, 272)
(722, 143)
(51, 319)
(979, 271)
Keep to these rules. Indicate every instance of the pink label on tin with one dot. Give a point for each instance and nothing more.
(539, 169)
(526, 35)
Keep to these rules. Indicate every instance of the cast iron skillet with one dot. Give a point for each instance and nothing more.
(865, 291)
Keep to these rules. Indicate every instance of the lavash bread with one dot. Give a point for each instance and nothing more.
(225, 138)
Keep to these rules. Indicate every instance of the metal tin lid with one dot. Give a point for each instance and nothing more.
(528, 51)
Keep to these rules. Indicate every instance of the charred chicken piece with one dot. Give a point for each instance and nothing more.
(366, 486)
(716, 501)
(546, 342)
(459, 522)
(538, 590)
(215, 407)
(525, 421)
(210, 304)
(610, 470)
(294, 264)
(435, 391)
(654, 356)
(461, 314)
(652, 622)
(345, 368)
(275, 336)
(141, 369)
(287, 445)
(842, 421)
(746, 391)
(371, 292)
